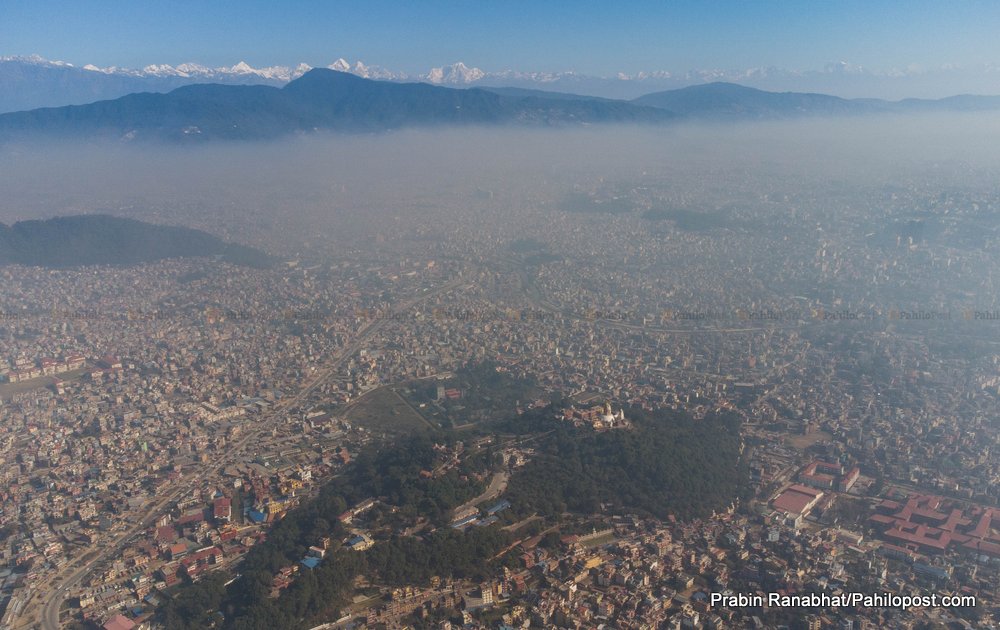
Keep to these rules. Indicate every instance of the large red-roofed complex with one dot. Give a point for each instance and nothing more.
(827, 476)
(927, 525)
(797, 500)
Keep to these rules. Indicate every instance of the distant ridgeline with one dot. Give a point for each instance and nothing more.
(106, 240)
(323, 99)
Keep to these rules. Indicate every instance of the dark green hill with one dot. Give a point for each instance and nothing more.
(729, 101)
(667, 464)
(732, 101)
(325, 99)
(106, 240)
(320, 99)
(959, 103)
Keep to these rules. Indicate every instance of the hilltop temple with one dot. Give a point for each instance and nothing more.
(598, 417)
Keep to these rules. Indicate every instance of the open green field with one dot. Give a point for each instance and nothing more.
(802, 442)
(385, 410)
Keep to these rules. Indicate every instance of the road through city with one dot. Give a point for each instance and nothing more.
(54, 598)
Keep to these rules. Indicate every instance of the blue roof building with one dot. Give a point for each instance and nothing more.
(310, 562)
(497, 507)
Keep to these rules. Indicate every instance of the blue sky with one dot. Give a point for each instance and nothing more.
(589, 37)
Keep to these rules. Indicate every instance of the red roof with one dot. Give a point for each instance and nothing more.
(795, 501)
(983, 526)
(193, 517)
(167, 533)
(222, 508)
(921, 537)
(119, 622)
(202, 556)
(813, 492)
(954, 519)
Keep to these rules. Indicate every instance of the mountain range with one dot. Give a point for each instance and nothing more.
(31, 82)
(321, 99)
(332, 100)
(728, 101)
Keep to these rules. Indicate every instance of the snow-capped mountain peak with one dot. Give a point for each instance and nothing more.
(193, 69)
(243, 68)
(160, 70)
(456, 73)
(35, 60)
(340, 65)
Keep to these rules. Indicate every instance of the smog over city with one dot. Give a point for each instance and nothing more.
(547, 340)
